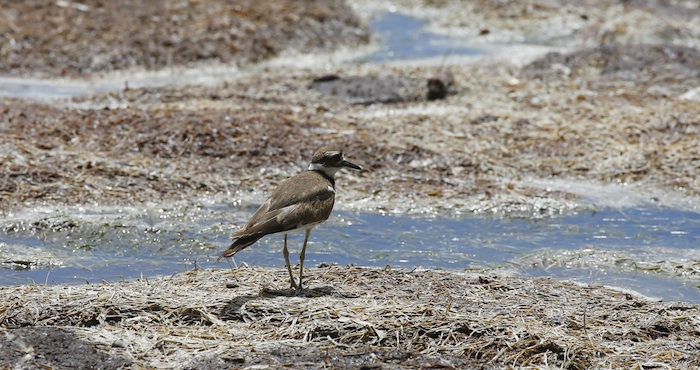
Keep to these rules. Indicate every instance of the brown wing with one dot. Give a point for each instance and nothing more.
(303, 200)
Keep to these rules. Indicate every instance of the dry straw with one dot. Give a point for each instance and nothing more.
(353, 316)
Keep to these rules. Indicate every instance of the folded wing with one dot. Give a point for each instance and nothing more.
(300, 202)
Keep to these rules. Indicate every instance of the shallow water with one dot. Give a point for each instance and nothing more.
(650, 251)
(400, 37)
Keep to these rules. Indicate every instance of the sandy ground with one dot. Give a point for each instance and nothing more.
(615, 113)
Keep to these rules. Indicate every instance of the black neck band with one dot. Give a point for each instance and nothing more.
(325, 175)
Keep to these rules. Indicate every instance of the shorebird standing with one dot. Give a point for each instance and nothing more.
(298, 203)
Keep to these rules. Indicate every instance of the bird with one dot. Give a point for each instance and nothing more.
(298, 203)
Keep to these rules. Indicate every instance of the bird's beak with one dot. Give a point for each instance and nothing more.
(350, 165)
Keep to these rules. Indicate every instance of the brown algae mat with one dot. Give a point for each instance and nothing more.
(347, 317)
(78, 39)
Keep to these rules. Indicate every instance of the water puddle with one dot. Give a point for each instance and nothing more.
(651, 251)
(53, 89)
(402, 38)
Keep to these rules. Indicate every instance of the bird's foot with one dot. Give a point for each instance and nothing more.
(296, 286)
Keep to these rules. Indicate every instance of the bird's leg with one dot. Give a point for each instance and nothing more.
(302, 255)
(231, 265)
(285, 251)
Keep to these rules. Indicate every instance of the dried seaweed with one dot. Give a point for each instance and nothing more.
(179, 142)
(81, 38)
(353, 312)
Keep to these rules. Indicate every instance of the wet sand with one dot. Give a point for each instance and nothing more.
(617, 107)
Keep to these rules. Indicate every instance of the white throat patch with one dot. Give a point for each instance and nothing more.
(329, 171)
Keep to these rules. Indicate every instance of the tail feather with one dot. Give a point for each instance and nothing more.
(240, 244)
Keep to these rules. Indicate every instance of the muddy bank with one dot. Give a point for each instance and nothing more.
(348, 317)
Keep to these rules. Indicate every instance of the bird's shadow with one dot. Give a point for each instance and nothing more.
(306, 293)
(234, 308)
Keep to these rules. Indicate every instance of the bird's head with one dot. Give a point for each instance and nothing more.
(330, 160)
